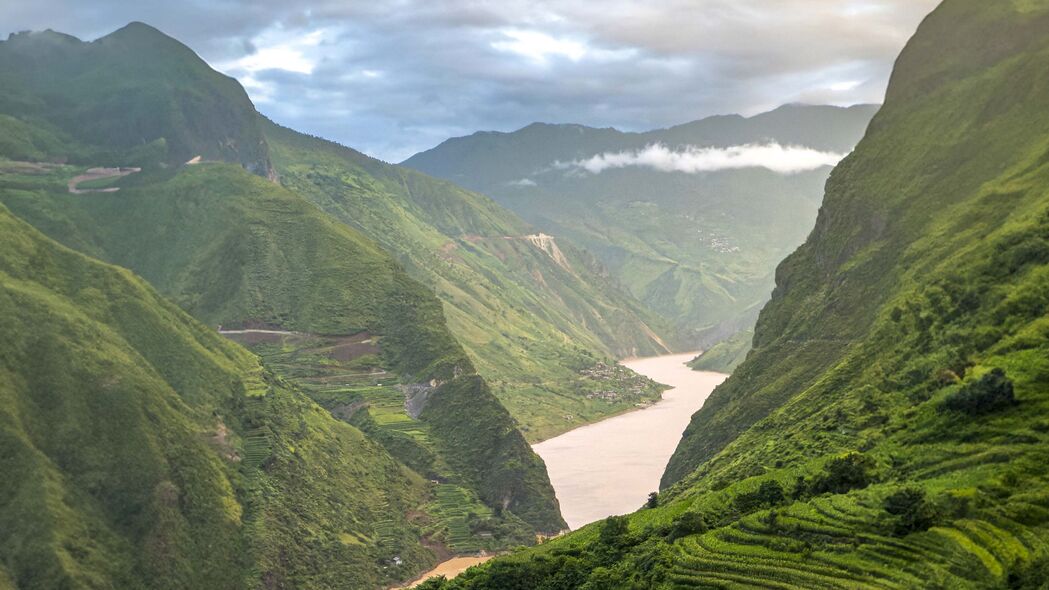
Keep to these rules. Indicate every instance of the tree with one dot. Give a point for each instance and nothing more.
(653, 500)
(990, 393)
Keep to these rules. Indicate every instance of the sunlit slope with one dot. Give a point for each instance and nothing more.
(532, 312)
(145, 451)
(891, 427)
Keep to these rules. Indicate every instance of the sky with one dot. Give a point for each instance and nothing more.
(395, 77)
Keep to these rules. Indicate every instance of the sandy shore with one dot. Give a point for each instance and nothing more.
(451, 568)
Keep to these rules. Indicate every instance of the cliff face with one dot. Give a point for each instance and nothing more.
(889, 429)
(962, 111)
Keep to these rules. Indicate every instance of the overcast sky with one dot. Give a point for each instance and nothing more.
(398, 76)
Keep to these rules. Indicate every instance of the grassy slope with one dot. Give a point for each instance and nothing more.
(151, 452)
(529, 324)
(928, 269)
(699, 249)
(726, 355)
(235, 249)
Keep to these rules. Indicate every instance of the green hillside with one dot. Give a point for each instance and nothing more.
(697, 249)
(890, 428)
(536, 315)
(133, 96)
(538, 318)
(153, 453)
(238, 251)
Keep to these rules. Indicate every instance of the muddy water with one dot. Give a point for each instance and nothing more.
(610, 467)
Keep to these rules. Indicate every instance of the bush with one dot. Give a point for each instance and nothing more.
(653, 500)
(769, 494)
(687, 524)
(990, 393)
(841, 474)
(913, 513)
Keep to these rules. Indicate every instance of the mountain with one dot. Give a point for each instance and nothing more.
(334, 317)
(889, 428)
(135, 90)
(699, 249)
(541, 318)
(151, 452)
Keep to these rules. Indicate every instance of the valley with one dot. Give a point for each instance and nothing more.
(237, 355)
(610, 467)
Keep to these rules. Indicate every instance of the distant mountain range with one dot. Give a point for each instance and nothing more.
(698, 248)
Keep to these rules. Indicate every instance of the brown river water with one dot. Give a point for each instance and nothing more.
(610, 467)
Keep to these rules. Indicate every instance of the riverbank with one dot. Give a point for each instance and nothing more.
(611, 466)
(449, 569)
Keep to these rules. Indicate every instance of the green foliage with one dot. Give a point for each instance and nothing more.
(686, 524)
(153, 453)
(912, 511)
(726, 355)
(842, 474)
(991, 393)
(925, 271)
(538, 319)
(698, 249)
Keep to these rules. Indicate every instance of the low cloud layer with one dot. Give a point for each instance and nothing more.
(395, 78)
(693, 160)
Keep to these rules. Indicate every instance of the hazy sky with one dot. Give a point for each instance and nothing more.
(395, 77)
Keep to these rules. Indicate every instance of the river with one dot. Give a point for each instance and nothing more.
(610, 467)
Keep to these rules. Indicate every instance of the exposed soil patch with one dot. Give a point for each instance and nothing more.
(353, 347)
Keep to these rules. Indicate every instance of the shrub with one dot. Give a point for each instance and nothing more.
(841, 474)
(769, 494)
(990, 393)
(687, 524)
(913, 513)
(653, 500)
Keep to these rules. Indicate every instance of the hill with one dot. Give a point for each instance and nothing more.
(541, 318)
(889, 428)
(133, 95)
(153, 453)
(697, 248)
(352, 329)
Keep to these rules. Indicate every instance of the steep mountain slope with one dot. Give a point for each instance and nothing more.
(699, 249)
(150, 452)
(237, 250)
(135, 94)
(890, 428)
(138, 98)
(534, 313)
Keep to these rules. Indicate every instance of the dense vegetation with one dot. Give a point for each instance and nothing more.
(890, 428)
(150, 452)
(698, 249)
(535, 317)
(237, 250)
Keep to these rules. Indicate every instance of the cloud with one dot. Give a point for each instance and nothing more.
(693, 160)
(452, 67)
(521, 183)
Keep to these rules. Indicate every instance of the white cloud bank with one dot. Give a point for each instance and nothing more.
(693, 160)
